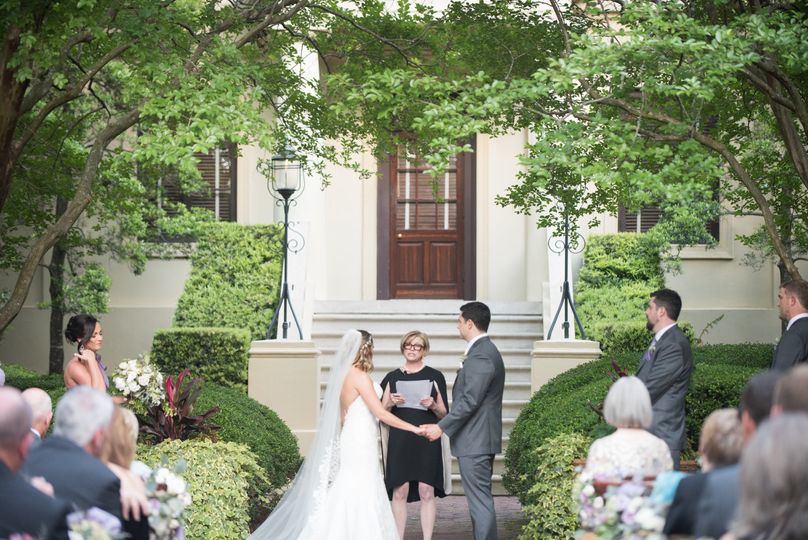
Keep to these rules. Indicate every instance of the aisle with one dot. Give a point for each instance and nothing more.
(453, 522)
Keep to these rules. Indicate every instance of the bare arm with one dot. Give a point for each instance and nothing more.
(364, 386)
(84, 370)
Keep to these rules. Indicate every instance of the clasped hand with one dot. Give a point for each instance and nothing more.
(430, 431)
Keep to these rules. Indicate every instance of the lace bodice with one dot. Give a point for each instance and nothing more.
(627, 453)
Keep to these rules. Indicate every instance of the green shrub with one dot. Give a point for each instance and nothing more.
(612, 259)
(244, 420)
(629, 335)
(219, 355)
(563, 404)
(23, 378)
(234, 278)
(226, 484)
(550, 506)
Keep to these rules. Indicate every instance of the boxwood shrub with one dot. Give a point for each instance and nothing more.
(219, 355)
(226, 484)
(564, 404)
(234, 278)
(244, 420)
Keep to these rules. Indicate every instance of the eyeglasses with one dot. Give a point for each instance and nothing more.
(413, 347)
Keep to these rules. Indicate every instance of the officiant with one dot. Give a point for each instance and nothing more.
(415, 469)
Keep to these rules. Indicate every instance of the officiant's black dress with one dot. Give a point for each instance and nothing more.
(412, 458)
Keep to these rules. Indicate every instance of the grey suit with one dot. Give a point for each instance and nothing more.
(718, 502)
(474, 427)
(667, 377)
(792, 348)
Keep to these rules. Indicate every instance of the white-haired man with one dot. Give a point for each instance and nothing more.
(42, 409)
(24, 509)
(69, 459)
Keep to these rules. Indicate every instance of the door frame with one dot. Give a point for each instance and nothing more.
(384, 217)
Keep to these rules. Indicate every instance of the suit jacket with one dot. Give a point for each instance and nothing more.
(474, 424)
(76, 476)
(667, 377)
(718, 502)
(25, 509)
(792, 348)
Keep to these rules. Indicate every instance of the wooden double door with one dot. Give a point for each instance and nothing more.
(426, 229)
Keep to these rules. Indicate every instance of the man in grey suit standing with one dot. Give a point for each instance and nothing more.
(792, 304)
(474, 424)
(665, 369)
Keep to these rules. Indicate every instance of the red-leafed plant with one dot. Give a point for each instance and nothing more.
(175, 419)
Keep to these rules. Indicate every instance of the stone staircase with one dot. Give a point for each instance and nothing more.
(514, 328)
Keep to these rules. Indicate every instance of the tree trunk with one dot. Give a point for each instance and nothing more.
(57, 309)
(56, 269)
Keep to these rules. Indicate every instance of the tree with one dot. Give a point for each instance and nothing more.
(637, 103)
(92, 92)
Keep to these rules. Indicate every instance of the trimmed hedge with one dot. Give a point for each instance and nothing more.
(225, 482)
(244, 420)
(563, 404)
(619, 273)
(550, 506)
(234, 278)
(219, 355)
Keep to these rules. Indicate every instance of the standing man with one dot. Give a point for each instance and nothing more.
(665, 369)
(792, 303)
(474, 424)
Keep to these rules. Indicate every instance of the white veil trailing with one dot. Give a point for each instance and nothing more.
(308, 490)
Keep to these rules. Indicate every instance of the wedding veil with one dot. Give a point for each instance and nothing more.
(308, 490)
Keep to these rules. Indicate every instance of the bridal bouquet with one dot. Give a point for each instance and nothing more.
(169, 497)
(93, 524)
(139, 381)
(621, 511)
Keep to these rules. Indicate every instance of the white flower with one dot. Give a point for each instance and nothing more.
(589, 490)
(649, 520)
(143, 380)
(598, 502)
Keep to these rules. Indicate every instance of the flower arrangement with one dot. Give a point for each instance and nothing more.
(169, 497)
(93, 524)
(140, 382)
(624, 510)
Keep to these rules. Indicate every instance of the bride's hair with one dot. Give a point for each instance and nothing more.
(364, 357)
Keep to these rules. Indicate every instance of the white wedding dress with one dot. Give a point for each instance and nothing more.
(356, 506)
(338, 493)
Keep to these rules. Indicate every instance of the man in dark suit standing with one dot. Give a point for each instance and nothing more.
(792, 303)
(665, 369)
(69, 459)
(24, 509)
(474, 423)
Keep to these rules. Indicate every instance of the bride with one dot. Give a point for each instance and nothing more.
(338, 492)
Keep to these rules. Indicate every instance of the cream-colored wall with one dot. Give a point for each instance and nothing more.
(138, 306)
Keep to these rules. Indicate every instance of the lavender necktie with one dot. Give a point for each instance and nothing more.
(649, 352)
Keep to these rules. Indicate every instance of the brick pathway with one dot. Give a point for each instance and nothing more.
(453, 522)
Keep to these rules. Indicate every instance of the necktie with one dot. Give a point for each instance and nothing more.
(649, 352)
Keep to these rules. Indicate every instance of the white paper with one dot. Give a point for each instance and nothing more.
(413, 392)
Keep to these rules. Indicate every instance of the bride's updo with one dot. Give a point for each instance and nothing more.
(364, 357)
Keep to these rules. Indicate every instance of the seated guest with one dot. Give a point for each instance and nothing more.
(791, 393)
(24, 509)
(720, 445)
(42, 408)
(631, 450)
(2, 377)
(774, 472)
(720, 494)
(119, 452)
(69, 458)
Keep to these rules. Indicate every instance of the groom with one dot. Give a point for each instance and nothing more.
(474, 424)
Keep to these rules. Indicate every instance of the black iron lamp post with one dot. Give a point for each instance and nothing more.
(567, 245)
(285, 184)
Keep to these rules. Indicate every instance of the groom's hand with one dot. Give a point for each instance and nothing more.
(432, 431)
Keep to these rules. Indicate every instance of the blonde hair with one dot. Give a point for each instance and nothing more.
(414, 334)
(364, 357)
(721, 439)
(121, 441)
(628, 404)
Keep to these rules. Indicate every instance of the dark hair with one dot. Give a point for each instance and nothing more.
(758, 395)
(670, 300)
(791, 392)
(478, 313)
(798, 288)
(80, 329)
